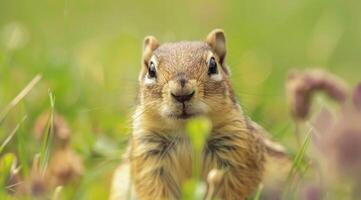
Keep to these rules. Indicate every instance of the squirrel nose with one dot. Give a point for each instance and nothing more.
(183, 98)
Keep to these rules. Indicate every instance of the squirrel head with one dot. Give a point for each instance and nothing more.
(184, 79)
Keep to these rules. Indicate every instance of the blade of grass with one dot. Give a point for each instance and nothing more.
(297, 164)
(259, 192)
(57, 193)
(7, 162)
(198, 130)
(47, 141)
(12, 134)
(19, 97)
(22, 152)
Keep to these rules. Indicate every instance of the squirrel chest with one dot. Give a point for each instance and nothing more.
(161, 159)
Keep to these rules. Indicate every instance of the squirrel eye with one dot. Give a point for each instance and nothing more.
(152, 71)
(212, 66)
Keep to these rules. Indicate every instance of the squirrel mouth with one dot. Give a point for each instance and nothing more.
(184, 114)
(182, 111)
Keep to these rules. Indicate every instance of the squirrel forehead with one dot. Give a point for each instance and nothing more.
(182, 54)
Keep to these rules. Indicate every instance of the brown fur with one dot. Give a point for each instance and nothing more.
(160, 154)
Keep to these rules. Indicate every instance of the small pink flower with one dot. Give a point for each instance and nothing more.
(339, 137)
(301, 86)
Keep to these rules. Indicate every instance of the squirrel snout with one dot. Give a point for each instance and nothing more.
(183, 97)
(181, 89)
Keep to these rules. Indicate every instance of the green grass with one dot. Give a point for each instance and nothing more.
(198, 129)
(47, 141)
(11, 135)
(299, 168)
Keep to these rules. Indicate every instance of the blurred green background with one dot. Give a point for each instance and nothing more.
(88, 52)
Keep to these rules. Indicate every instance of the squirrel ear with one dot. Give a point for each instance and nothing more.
(217, 40)
(149, 45)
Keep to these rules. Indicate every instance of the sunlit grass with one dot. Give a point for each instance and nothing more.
(19, 97)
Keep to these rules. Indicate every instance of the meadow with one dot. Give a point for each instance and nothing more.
(75, 65)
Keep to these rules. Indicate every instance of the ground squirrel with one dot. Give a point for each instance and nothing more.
(177, 82)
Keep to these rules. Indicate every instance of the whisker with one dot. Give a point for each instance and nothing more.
(147, 107)
(14, 185)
